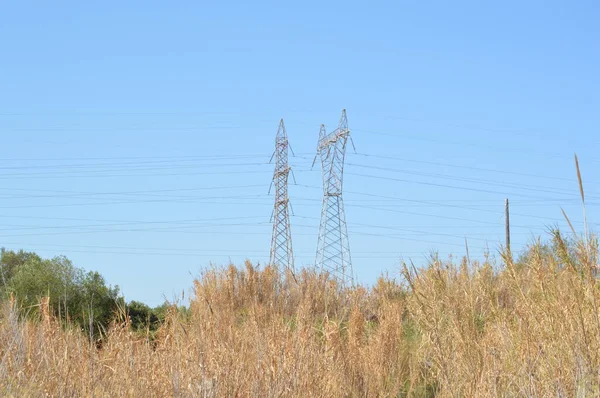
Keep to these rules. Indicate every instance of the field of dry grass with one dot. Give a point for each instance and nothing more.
(526, 328)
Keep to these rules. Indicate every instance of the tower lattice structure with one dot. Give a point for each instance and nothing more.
(281, 241)
(333, 247)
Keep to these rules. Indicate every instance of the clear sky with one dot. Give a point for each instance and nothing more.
(136, 135)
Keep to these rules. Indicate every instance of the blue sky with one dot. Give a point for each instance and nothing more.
(136, 135)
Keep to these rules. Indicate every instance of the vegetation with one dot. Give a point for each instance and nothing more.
(526, 328)
(529, 327)
(74, 295)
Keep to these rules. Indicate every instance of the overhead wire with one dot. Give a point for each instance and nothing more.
(473, 168)
(167, 165)
(528, 187)
(471, 144)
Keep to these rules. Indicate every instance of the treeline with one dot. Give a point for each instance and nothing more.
(76, 296)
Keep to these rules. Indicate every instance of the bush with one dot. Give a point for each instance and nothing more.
(75, 295)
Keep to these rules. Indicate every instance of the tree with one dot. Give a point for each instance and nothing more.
(143, 317)
(83, 298)
(10, 261)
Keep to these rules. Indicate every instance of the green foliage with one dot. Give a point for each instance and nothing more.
(75, 295)
(10, 261)
(145, 318)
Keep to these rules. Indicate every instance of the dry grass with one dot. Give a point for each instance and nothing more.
(530, 329)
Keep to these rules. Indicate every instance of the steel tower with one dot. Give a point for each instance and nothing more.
(281, 242)
(333, 248)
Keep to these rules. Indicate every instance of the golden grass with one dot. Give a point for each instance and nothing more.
(531, 328)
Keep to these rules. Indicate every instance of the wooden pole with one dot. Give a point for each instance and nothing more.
(507, 218)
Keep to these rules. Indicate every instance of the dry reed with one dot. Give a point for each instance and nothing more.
(530, 329)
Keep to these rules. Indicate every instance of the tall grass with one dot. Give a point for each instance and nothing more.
(531, 328)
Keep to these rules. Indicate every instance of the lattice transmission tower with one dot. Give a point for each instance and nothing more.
(333, 248)
(281, 241)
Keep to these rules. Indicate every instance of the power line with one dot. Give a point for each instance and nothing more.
(441, 185)
(475, 201)
(144, 250)
(129, 193)
(468, 167)
(166, 158)
(534, 188)
(464, 144)
(135, 175)
(187, 221)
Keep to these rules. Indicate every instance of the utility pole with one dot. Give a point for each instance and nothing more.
(281, 242)
(333, 247)
(507, 218)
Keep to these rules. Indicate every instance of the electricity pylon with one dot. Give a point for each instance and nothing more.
(281, 241)
(333, 248)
